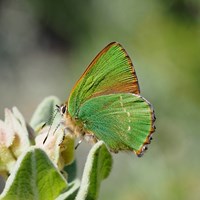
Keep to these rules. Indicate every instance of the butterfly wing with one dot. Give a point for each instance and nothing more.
(110, 72)
(122, 121)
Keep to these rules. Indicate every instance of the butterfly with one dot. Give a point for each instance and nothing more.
(105, 104)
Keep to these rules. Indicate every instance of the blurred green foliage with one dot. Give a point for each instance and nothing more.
(46, 45)
(66, 20)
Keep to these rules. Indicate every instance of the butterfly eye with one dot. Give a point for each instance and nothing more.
(63, 109)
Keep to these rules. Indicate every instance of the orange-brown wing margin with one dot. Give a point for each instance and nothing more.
(110, 72)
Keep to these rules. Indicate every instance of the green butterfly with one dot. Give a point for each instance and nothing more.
(105, 104)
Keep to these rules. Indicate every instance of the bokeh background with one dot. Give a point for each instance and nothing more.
(46, 45)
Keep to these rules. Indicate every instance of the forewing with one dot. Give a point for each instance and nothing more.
(110, 72)
(122, 121)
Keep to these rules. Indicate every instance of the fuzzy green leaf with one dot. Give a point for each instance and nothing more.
(97, 168)
(34, 177)
(44, 112)
(71, 192)
(71, 171)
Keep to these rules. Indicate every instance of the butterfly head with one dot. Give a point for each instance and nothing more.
(62, 109)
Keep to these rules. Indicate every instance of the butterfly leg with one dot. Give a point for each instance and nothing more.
(88, 137)
(65, 132)
(91, 138)
(79, 133)
(79, 142)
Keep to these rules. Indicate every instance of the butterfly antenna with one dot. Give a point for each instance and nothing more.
(56, 128)
(53, 115)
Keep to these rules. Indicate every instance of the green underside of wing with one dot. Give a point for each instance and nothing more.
(122, 121)
(110, 72)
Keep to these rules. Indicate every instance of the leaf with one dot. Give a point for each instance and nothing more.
(16, 121)
(14, 139)
(60, 150)
(34, 177)
(44, 112)
(71, 171)
(7, 158)
(97, 168)
(71, 192)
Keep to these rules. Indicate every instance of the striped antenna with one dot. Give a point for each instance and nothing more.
(52, 117)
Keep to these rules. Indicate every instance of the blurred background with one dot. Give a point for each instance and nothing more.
(46, 45)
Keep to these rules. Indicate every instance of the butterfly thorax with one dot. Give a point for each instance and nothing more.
(74, 126)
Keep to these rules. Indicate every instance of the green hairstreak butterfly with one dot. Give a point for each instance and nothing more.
(105, 104)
